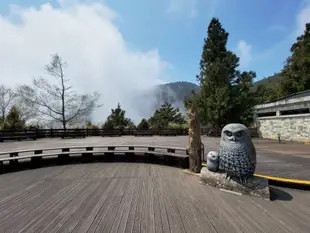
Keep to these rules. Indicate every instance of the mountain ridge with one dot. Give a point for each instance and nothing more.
(176, 92)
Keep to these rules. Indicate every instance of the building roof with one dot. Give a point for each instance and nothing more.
(295, 95)
(296, 98)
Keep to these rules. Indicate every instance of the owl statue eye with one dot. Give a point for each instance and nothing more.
(239, 134)
(228, 133)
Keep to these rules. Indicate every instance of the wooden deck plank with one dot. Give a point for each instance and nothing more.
(175, 221)
(163, 209)
(27, 213)
(131, 197)
(107, 207)
(110, 213)
(192, 219)
(149, 199)
(139, 210)
(106, 189)
(129, 228)
(157, 216)
(146, 226)
(123, 208)
(72, 211)
(49, 210)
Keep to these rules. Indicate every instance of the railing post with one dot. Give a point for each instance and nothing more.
(36, 159)
(64, 156)
(109, 155)
(37, 152)
(86, 157)
(130, 155)
(15, 161)
(170, 150)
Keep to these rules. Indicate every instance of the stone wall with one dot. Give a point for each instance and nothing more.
(295, 128)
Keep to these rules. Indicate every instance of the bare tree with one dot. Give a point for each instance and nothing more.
(58, 101)
(7, 96)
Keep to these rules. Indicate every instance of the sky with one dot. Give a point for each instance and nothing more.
(121, 47)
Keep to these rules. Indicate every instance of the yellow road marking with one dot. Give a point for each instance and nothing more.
(280, 179)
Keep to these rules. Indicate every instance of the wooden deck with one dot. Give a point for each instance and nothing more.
(132, 197)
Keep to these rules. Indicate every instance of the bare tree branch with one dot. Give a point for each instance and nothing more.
(7, 96)
(58, 101)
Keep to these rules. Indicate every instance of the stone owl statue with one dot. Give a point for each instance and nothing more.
(213, 161)
(237, 155)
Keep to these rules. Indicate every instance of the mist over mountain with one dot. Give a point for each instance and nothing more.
(176, 92)
(173, 93)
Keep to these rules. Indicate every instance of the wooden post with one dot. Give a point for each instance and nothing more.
(194, 142)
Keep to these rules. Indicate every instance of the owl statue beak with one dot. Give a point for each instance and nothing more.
(234, 138)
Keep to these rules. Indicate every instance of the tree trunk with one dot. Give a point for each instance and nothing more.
(64, 125)
(194, 147)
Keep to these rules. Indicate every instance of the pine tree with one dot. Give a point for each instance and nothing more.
(13, 120)
(143, 124)
(117, 119)
(244, 99)
(217, 75)
(296, 72)
(164, 115)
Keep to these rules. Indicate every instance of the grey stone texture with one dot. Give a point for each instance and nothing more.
(256, 187)
(293, 128)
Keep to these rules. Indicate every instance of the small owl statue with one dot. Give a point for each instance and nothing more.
(237, 155)
(213, 161)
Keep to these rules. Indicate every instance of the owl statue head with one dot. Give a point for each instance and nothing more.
(212, 156)
(235, 133)
(213, 161)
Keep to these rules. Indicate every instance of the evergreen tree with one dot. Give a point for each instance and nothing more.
(217, 75)
(130, 124)
(296, 72)
(143, 124)
(225, 93)
(244, 99)
(117, 119)
(164, 115)
(13, 120)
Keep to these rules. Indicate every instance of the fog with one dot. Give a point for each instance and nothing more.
(86, 36)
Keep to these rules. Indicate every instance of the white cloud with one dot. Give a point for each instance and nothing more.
(86, 37)
(302, 18)
(244, 53)
(186, 7)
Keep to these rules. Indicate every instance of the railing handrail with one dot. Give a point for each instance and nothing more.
(93, 146)
(86, 129)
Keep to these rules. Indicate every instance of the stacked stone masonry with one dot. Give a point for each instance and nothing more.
(275, 118)
(295, 128)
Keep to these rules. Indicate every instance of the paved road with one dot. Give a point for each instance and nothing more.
(289, 160)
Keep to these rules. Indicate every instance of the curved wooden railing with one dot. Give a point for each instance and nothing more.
(170, 155)
(173, 156)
